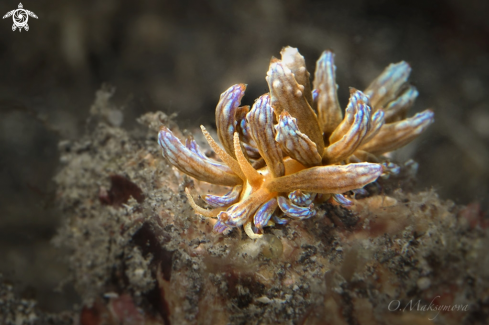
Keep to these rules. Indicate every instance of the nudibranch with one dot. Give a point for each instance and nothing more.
(295, 147)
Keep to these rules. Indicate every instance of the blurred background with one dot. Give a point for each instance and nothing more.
(179, 56)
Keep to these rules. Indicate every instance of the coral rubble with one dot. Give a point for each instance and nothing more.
(140, 255)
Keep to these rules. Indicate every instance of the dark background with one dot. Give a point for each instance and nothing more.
(178, 56)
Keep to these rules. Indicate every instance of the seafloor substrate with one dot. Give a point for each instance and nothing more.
(140, 255)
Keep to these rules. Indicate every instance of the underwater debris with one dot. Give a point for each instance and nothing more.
(304, 149)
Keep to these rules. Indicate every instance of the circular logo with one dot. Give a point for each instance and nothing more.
(20, 18)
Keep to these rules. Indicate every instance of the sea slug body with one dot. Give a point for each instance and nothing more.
(294, 146)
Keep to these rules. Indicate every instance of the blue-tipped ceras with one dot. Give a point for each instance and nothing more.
(295, 146)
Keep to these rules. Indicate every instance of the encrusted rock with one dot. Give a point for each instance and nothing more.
(154, 260)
